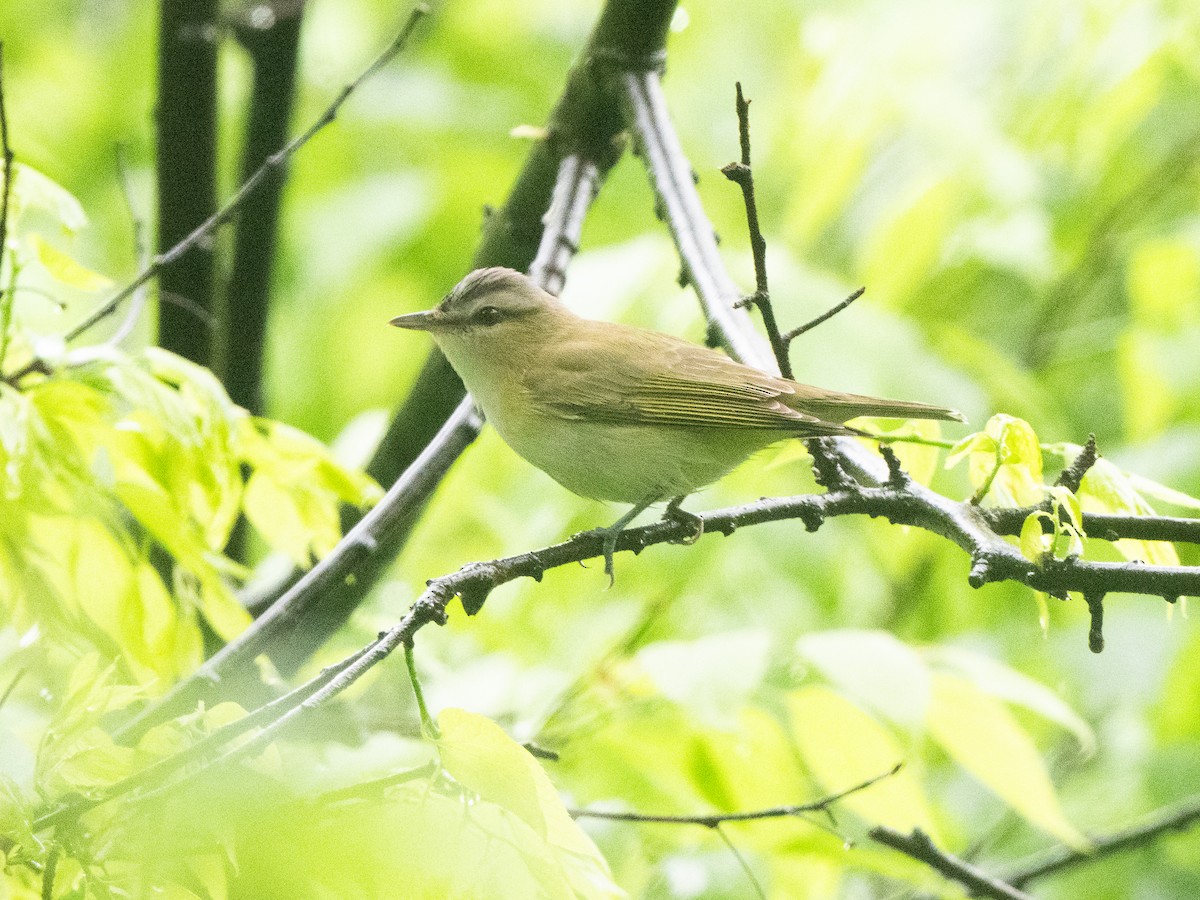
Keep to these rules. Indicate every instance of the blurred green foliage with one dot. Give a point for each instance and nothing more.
(1017, 185)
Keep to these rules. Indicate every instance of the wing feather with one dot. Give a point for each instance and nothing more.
(662, 381)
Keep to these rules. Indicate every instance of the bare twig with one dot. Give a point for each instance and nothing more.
(743, 862)
(741, 174)
(575, 188)
(1179, 817)
(1072, 475)
(1106, 526)
(823, 317)
(919, 846)
(714, 820)
(6, 293)
(272, 163)
(679, 204)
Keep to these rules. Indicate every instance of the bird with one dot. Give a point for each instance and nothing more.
(619, 413)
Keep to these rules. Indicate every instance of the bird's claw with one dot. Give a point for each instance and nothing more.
(674, 513)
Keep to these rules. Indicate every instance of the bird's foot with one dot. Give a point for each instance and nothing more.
(675, 513)
(609, 548)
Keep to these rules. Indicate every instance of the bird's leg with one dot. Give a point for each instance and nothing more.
(675, 513)
(613, 531)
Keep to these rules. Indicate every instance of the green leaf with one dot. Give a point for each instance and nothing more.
(874, 668)
(1011, 686)
(842, 746)
(294, 494)
(1005, 460)
(76, 755)
(33, 190)
(1149, 488)
(65, 270)
(477, 754)
(1106, 489)
(1033, 539)
(983, 737)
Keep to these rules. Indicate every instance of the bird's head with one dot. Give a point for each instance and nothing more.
(491, 311)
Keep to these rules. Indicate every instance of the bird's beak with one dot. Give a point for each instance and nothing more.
(418, 321)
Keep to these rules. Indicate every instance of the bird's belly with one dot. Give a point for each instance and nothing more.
(629, 463)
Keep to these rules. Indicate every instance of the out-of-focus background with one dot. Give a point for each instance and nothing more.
(1016, 183)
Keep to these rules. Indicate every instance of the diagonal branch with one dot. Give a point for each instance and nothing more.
(678, 202)
(1180, 817)
(993, 559)
(919, 846)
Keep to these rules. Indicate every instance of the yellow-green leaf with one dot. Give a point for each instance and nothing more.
(65, 270)
(982, 735)
(477, 753)
(842, 746)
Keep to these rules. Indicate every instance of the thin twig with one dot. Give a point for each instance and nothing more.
(6, 293)
(825, 316)
(1178, 817)
(743, 862)
(919, 846)
(273, 162)
(714, 820)
(12, 686)
(741, 174)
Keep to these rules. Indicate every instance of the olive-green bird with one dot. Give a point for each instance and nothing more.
(618, 413)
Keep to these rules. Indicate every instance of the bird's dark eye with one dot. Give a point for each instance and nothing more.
(488, 315)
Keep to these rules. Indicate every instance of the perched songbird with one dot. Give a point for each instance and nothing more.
(614, 412)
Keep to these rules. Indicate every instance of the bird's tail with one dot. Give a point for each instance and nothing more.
(835, 406)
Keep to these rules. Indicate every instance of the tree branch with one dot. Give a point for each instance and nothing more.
(919, 846)
(271, 34)
(992, 559)
(186, 120)
(677, 201)
(1179, 817)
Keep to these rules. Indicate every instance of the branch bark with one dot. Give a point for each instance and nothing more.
(919, 846)
(186, 119)
(271, 34)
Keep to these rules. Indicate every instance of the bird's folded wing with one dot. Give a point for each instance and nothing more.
(683, 385)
